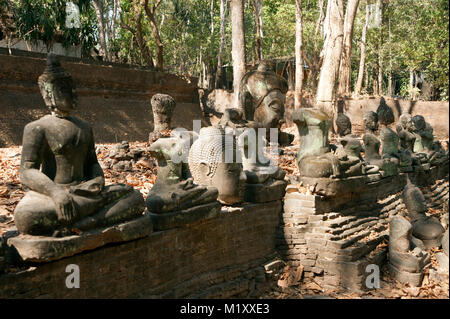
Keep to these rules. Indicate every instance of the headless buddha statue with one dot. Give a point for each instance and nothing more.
(173, 191)
(59, 166)
(425, 143)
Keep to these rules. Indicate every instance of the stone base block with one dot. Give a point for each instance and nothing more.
(183, 217)
(45, 249)
(414, 279)
(443, 262)
(331, 187)
(263, 193)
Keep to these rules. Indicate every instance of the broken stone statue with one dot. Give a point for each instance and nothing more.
(388, 166)
(405, 130)
(426, 228)
(163, 106)
(390, 140)
(68, 208)
(424, 142)
(212, 162)
(406, 260)
(265, 181)
(176, 200)
(262, 96)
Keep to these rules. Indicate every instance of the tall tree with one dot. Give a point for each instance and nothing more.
(99, 6)
(325, 97)
(150, 12)
(345, 67)
(257, 10)
(238, 45)
(223, 16)
(298, 55)
(362, 61)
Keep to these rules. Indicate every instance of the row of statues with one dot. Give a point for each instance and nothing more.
(411, 146)
(67, 192)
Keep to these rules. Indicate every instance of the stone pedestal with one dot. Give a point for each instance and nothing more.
(266, 192)
(45, 249)
(180, 218)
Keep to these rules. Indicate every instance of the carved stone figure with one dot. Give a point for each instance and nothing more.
(388, 166)
(426, 228)
(262, 96)
(174, 199)
(212, 162)
(163, 106)
(315, 158)
(424, 142)
(406, 260)
(59, 166)
(390, 140)
(405, 129)
(343, 124)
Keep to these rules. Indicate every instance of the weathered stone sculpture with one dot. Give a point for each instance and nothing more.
(212, 162)
(163, 106)
(405, 129)
(343, 124)
(390, 140)
(424, 141)
(315, 158)
(262, 96)
(388, 166)
(59, 165)
(406, 261)
(174, 199)
(264, 180)
(426, 228)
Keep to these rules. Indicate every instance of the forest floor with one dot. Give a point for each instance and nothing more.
(142, 175)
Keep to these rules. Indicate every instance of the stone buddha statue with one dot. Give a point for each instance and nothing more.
(251, 141)
(406, 260)
(390, 140)
(262, 96)
(388, 166)
(59, 166)
(173, 191)
(163, 106)
(315, 158)
(405, 130)
(212, 162)
(424, 142)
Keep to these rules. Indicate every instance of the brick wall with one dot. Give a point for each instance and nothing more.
(114, 99)
(219, 258)
(335, 238)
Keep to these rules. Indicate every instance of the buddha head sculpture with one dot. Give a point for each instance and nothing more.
(370, 120)
(406, 123)
(262, 96)
(419, 122)
(212, 162)
(344, 125)
(57, 88)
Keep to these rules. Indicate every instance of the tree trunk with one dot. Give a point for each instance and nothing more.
(325, 97)
(411, 83)
(362, 61)
(223, 14)
(345, 67)
(150, 12)
(317, 60)
(390, 58)
(380, 53)
(99, 8)
(238, 46)
(257, 10)
(298, 55)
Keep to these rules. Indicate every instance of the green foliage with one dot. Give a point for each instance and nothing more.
(45, 20)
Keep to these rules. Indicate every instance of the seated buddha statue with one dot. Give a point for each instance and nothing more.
(59, 166)
(372, 144)
(315, 158)
(173, 191)
(390, 140)
(424, 143)
(405, 131)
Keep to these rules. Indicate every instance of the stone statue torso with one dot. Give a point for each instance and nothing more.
(372, 146)
(63, 145)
